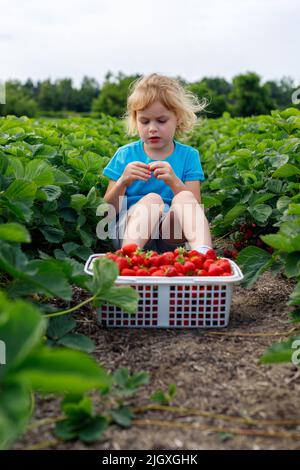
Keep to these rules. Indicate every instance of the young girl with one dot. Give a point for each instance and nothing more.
(154, 183)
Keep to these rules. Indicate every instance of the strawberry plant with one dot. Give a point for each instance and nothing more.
(285, 258)
(252, 168)
(31, 365)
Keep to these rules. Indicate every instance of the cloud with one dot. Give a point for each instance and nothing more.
(6, 37)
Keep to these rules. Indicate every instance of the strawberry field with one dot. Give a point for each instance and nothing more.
(67, 382)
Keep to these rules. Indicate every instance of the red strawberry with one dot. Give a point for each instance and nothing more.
(152, 269)
(167, 257)
(214, 271)
(129, 249)
(179, 268)
(198, 260)
(158, 272)
(207, 263)
(122, 263)
(189, 268)
(128, 272)
(194, 253)
(155, 260)
(142, 272)
(170, 271)
(201, 272)
(211, 254)
(224, 265)
(137, 260)
(248, 235)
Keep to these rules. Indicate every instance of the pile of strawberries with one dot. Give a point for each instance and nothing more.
(133, 261)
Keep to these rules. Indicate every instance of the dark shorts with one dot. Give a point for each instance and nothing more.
(157, 243)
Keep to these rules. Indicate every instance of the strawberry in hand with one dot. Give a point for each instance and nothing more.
(163, 171)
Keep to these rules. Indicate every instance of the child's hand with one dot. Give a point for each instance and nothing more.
(135, 171)
(163, 171)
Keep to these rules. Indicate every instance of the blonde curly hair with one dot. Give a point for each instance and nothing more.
(145, 90)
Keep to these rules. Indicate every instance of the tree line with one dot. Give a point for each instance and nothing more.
(245, 95)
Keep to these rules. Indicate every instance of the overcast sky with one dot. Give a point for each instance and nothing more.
(54, 39)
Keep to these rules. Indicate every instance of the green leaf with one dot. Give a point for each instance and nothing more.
(288, 112)
(130, 383)
(225, 436)
(21, 190)
(4, 162)
(14, 262)
(122, 416)
(50, 219)
(65, 430)
(49, 193)
(14, 232)
(258, 198)
(159, 397)
(91, 197)
(283, 203)
(78, 201)
(294, 209)
(39, 172)
(105, 272)
(253, 262)
(278, 160)
(62, 370)
(278, 352)
(61, 177)
(16, 168)
(70, 247)
(15, 412)
(123, 296)
(51, 278)
(19, 209)
(86, 238)
(60, 326)
(77, 411)
(46, 151)
(286, 171)
(296, 315)
(80, 422)
(233, 213)
(94, 429)
(292, 264)
(260, 212)
(52, 234)
(77, 341)
(275, 186)
(21, 331)
(210, 201)
(164, 398)
(295, 296)
(287, 239)
(172, 390)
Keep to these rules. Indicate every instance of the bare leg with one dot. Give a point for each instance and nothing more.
(186, 215)
(143, 219)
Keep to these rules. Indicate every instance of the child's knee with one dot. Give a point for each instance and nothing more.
(152, 198)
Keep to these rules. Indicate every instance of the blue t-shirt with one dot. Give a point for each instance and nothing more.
(185, 161)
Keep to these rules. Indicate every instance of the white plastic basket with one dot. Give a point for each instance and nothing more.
(172, 302)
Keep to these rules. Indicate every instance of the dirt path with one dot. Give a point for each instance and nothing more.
(216, 374)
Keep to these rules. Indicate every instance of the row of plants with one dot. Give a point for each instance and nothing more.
(50, 187)
(252, 196)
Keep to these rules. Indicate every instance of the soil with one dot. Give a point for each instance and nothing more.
(219, 374)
